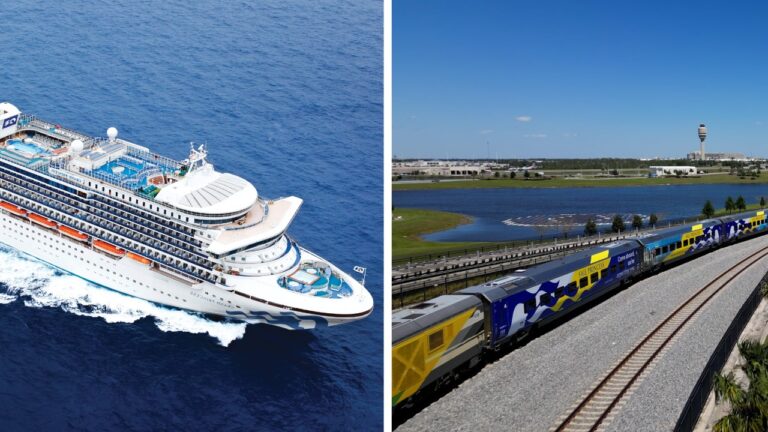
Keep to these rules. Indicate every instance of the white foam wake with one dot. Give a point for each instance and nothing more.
(39, 285)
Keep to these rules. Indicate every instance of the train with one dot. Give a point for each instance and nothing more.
(434, 341)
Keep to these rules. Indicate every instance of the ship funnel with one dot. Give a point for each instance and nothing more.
(9, 118)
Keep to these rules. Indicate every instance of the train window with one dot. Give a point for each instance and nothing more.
(679, 245)
(529, 305)
(571, 288)
(558, 292)
(546, 298)
(593, 277)
(665, 249)
(436, 340)
(613, 267)
(583, 282)
(621, 266)
(656, 252)
(672, 247)
(603, 273)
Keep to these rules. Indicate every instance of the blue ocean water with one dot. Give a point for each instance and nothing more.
(288, 95)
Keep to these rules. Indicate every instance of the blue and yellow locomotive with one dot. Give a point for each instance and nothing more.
(434, 340)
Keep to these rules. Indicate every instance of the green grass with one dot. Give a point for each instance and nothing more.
(565, 183)
(408, 225)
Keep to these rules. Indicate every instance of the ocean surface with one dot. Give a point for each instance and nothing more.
(286, 94)
(524, 214)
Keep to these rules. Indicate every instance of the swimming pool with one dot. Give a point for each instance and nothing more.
(26, 149)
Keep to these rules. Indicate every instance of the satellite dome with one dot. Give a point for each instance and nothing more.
(76, 146)
(112, 133)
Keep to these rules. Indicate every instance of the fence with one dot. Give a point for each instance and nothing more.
(698, 397)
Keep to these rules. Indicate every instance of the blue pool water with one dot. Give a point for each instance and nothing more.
(267, 85)
(29, 149)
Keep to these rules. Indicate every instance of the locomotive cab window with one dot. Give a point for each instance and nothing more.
(603, 273)
(436, 340)
(583, 282)
(593, 277)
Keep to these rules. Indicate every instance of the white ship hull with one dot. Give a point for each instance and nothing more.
(136, 279)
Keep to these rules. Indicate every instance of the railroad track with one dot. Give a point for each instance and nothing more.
(599, 406)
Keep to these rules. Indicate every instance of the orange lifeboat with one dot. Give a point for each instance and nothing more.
(36, 218)
(138, 258)
(71, 232)
(13, 209)
(108, 248)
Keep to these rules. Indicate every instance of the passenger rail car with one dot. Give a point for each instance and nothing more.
(435, 340)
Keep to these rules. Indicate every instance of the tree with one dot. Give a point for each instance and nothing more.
(637, 222)
(614, 172)
(496, 174)
(618, 224)
(512, 174)
(748, 410)
(708, 211)
(729, 205)
(740, 204)
(590, 228)
(526, 174)
(762, 202)
(653, 219)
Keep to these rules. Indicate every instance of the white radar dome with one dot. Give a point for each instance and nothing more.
(112, 133)
(76, 146)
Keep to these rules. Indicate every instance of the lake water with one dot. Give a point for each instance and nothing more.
(515, 214)
(288, 95)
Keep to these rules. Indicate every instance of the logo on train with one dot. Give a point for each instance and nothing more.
(10, 121)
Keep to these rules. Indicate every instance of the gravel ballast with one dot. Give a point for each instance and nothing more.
(532, 386)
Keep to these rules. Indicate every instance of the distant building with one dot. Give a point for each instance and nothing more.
(718, 156)
(670, 171)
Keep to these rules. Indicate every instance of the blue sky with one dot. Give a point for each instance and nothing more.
(578, 78)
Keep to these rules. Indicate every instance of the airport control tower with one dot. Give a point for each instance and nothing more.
(702, 137)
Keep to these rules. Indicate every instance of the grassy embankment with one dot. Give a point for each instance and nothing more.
(408, 225)
(570, 182)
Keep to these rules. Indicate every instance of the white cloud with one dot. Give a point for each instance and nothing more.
(486, 131)
(570, 134)
(535, 135)
(524, 119)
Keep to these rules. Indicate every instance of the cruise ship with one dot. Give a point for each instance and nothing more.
(177, 233)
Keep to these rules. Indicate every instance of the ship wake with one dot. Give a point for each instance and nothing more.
(36, 284)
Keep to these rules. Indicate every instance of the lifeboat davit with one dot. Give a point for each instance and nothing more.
(138, 258)
(13, 209)
(36, 218)
(73, 233)
(108, 248)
